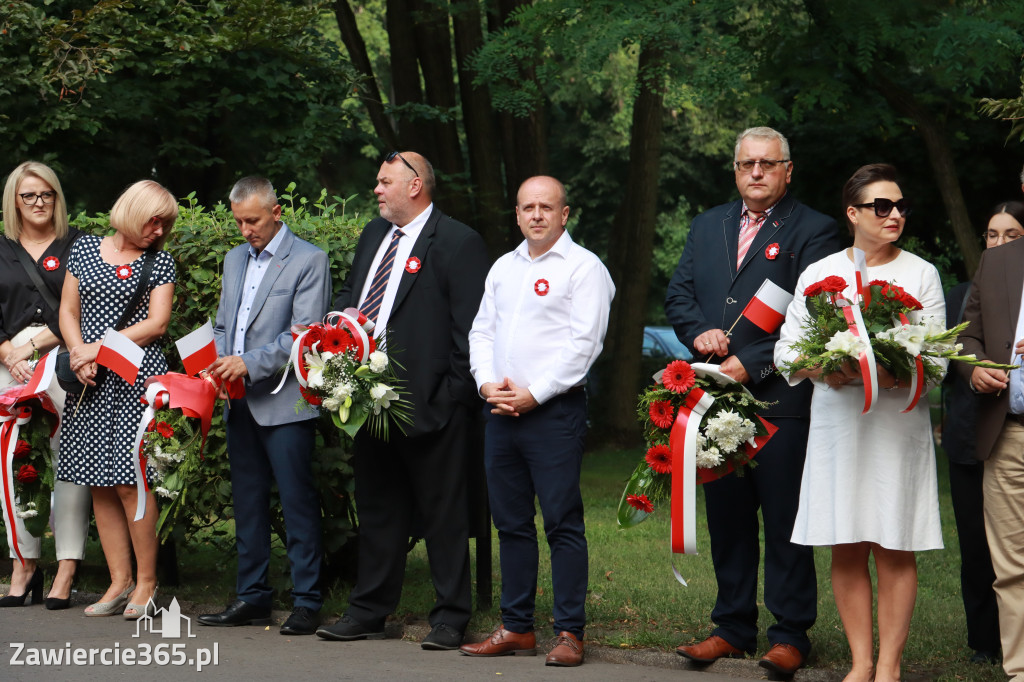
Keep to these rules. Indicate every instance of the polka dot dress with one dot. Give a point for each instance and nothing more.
(96, 445)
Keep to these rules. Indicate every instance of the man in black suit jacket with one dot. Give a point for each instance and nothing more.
(433, 290)
(708, 291)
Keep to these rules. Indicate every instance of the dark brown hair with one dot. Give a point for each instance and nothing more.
(853, 190)
(1015, 209)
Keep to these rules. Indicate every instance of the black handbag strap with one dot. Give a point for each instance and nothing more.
(147, 267)
(33, 274)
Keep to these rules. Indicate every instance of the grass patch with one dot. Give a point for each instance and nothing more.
(633, 599)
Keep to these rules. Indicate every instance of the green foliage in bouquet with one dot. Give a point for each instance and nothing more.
(33, 472)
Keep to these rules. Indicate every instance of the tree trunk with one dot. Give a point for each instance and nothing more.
(943, 166)
(630, 249)
(360, 59)
(405, 77)
(493, 210)
(433, 45)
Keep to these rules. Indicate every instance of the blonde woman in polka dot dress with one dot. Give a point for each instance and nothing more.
(96, 448)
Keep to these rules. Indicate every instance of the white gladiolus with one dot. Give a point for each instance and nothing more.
(382, 395)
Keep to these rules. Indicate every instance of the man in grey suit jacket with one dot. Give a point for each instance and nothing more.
(994, 334)
(272, 282)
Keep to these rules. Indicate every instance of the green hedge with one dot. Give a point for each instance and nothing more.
(200, 239)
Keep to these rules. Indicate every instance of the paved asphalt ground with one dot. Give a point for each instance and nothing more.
(262, 653)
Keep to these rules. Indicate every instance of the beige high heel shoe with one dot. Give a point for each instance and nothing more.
(112, 607)
(136, 611)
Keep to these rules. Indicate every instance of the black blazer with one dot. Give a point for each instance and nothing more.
(708, 292)
(432, 315)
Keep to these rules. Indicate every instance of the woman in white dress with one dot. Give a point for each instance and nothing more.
(869, 482)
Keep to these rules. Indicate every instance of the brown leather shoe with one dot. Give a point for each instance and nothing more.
(784, 659)
(568, 651)
(710, 650)
(502, 642)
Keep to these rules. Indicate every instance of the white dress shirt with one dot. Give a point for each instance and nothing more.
(541, 321)
(411, 232)
(255, 268)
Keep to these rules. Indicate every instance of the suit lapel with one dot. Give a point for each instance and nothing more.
(1014, 277)
(731, 235)
(234, 299)
(419, 250)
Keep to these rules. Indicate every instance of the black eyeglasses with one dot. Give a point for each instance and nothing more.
(395, 155)
(30, 198)
(883, 207)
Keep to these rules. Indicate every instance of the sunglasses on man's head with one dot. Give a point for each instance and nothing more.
(395, 155)
(883, 207)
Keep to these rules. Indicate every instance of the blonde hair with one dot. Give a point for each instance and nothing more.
(12, 216)
(144, 200)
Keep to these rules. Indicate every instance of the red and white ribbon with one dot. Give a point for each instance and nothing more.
(683, 444)
(10, 426)
(860, 264)
(156, 398)
(357, 324)
(916, 376)
(868, 369)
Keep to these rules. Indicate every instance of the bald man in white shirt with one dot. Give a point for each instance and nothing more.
(540, 327)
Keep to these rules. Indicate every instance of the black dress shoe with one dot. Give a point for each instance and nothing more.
(348, 629)
(303, 621)
(985, 657)
(239, 613)
(442, 637)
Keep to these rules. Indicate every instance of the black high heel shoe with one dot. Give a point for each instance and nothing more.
(58, 604)
(35, 586)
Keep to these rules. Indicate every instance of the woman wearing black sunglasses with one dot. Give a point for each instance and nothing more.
(869, 482)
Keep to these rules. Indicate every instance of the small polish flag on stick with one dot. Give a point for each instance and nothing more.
(197, 349)
(863, 288)
(768, 307)
(120, 354)
(43, 374)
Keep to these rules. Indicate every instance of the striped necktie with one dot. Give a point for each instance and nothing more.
(747, 234)
(375, 295)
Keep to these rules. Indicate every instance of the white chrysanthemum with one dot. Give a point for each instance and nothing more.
(728, 429)
(378, 361)
(164, 492)
(847, 343)
(709, 458)
(27, 514)
(331, 404)
(343, 390)
(382, 395)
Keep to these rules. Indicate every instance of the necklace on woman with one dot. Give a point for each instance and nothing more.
(36, 241)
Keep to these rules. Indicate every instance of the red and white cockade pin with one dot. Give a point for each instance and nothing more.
(124, 271)
(542, 287)
(51, 263)
(772, 252)
(413, 265)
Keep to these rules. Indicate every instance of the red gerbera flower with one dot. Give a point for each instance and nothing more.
(678, 376)
(640, 502)
(22, 449)
(659, 458)
(833, 284)
(337, 340)
(27, 473)
(311, 398)
(662, 414)
(164, 429)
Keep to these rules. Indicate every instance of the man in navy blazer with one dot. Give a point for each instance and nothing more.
(730, 251)
(273, 281)
(420, 275)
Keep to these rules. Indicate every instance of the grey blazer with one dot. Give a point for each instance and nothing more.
(295, 290)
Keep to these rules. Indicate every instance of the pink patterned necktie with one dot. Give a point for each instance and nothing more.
(747, 234)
